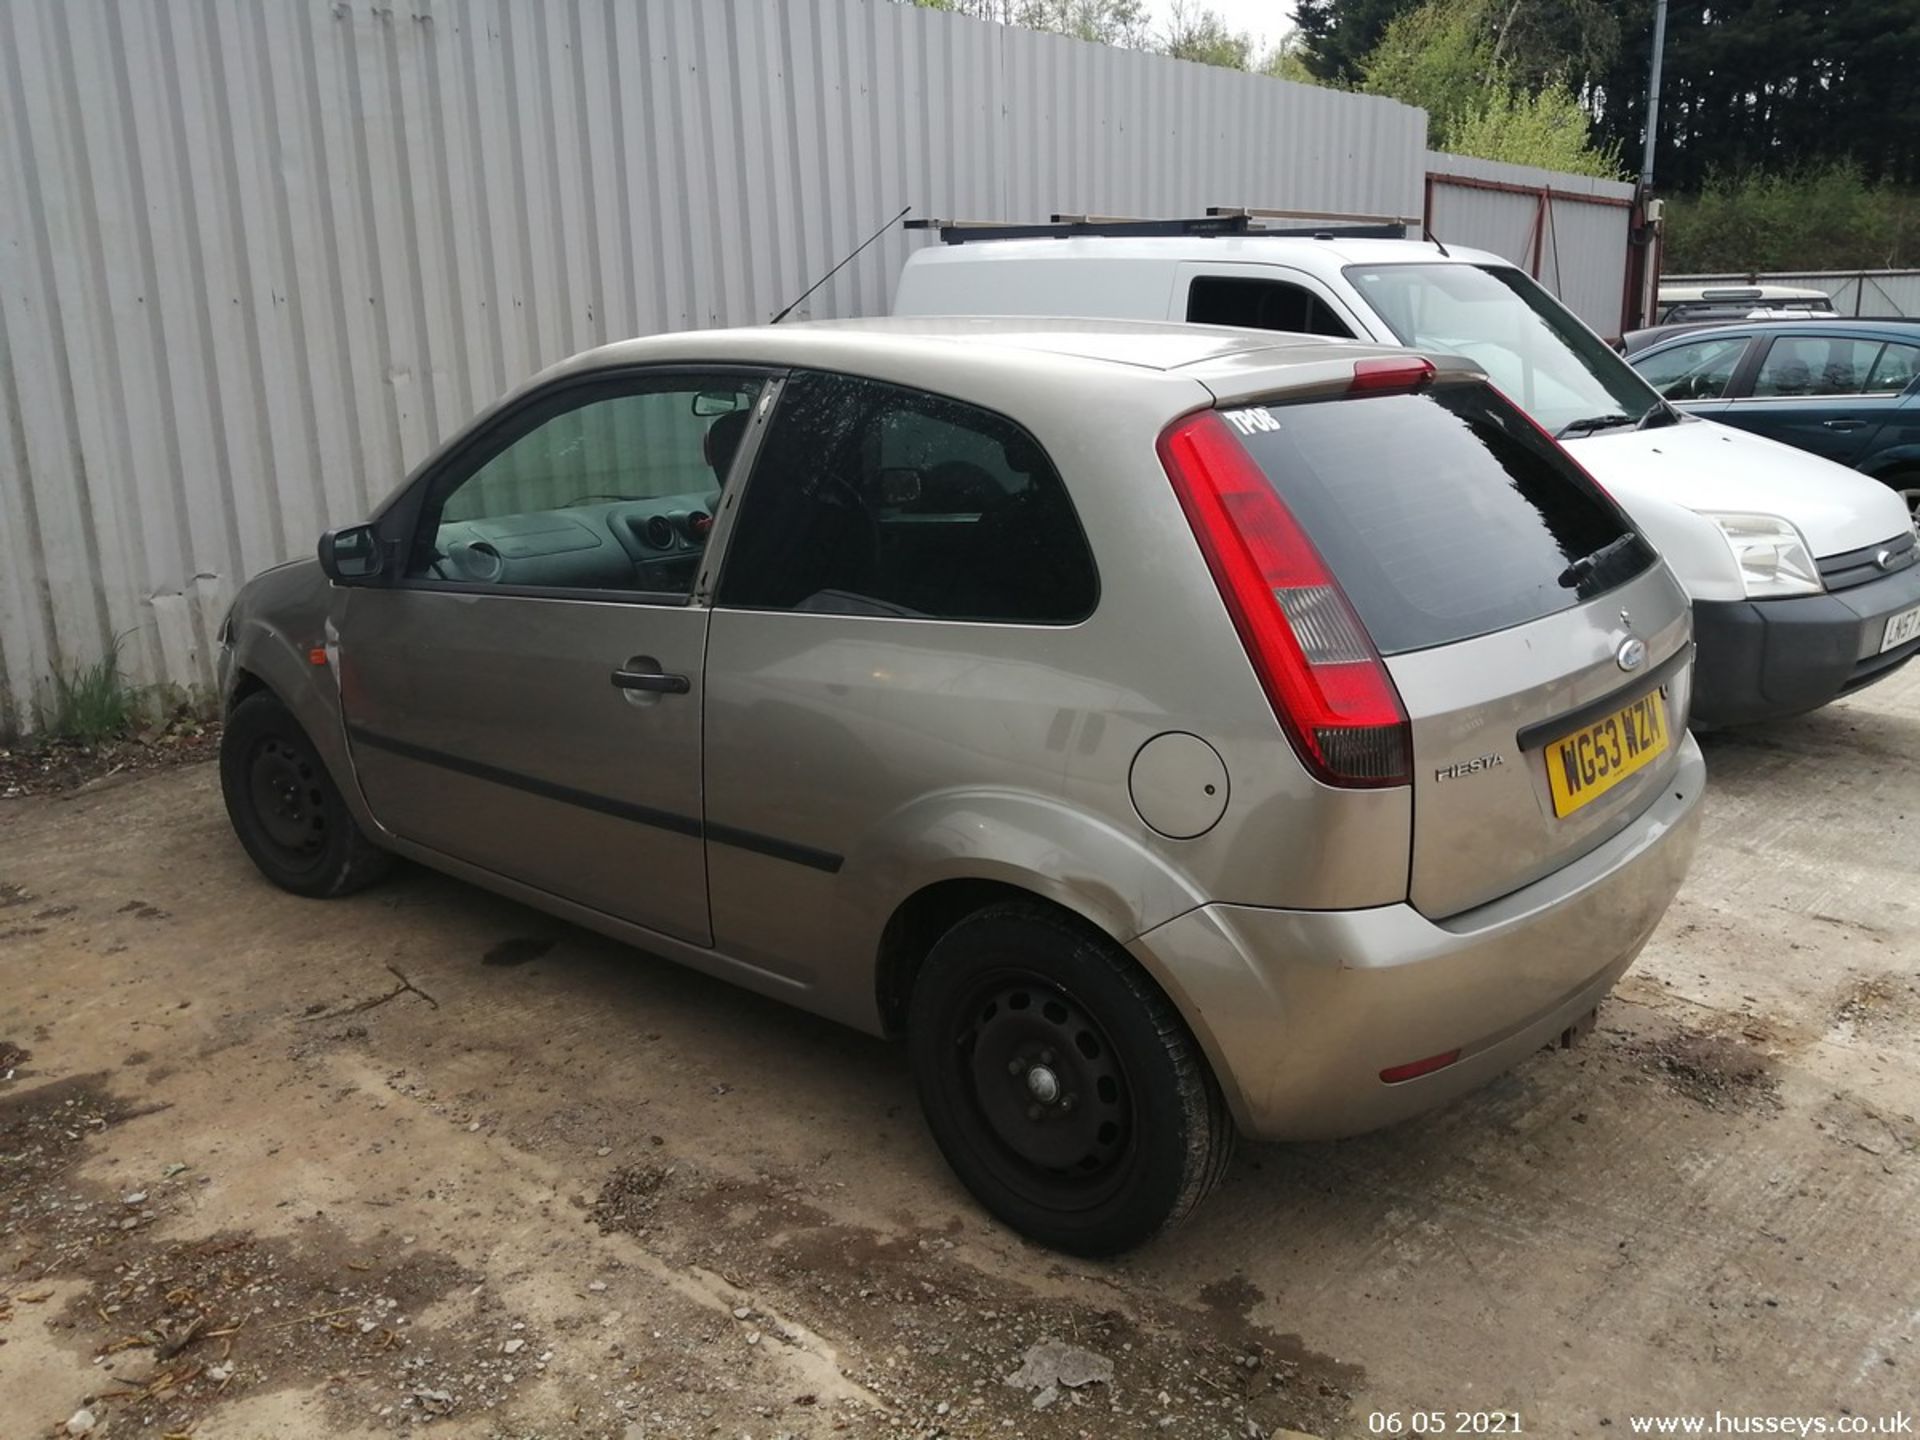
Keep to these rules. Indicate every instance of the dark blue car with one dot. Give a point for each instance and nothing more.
(1848, 390)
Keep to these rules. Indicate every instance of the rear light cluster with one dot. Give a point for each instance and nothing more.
(1322, 675)
(1390, 373)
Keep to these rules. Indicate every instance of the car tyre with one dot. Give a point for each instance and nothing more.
(285, 808)
(1063, 1087)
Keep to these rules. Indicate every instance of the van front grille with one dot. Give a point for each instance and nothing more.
(1865, 565)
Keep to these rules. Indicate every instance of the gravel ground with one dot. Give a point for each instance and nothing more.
(428, 1161)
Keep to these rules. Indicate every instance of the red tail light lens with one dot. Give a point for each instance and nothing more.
(1325, 680)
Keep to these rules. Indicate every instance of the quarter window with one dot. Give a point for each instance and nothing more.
(1894, 370)
(1698, 371)
(873, 499)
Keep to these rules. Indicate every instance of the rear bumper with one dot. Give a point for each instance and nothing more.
(1764, 659)
(1300, 1011)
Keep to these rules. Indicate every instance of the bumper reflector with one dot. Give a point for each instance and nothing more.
(1417, 1068)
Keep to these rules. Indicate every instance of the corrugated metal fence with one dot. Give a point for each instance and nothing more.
(1881, 293)
(1569, 231)
(257, 258)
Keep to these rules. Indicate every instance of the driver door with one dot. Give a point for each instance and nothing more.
(526, 695)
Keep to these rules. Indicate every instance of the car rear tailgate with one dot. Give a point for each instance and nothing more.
(1486, 714)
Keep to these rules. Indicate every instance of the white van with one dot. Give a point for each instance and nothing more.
(1805, 576)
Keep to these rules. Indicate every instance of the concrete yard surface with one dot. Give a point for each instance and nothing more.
(425, 1160)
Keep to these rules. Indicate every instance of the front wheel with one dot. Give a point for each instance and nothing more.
(285, 808)
(1061, 1085)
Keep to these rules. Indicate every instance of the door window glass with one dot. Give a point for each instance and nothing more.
(1815, 365)
(1894, 370)
(1699, 371)
(1261, 305)
(873, 499)
(608, 486)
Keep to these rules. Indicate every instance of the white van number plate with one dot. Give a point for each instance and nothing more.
(1900, 629)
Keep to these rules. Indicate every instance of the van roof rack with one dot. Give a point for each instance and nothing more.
(1216, 222)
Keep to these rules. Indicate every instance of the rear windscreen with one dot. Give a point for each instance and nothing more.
(1443, 514)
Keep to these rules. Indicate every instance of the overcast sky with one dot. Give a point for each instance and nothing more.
(1268, 20)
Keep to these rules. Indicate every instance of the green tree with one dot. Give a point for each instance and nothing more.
(1108, 22)
(1439, 57)
(1337, 35)
(1780, 86)
(1201, 35)
(1288, 61)
(1478, 76)
(1547, 127)
(1819, 218)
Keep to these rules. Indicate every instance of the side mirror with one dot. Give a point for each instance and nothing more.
(350, 556)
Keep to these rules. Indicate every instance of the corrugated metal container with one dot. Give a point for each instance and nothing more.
(257, 259)
(1855, 292)
(1569, 231)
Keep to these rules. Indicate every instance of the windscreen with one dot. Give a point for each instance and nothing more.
(1443, 514)
(1530, 345)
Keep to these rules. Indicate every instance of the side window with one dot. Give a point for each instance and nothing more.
(604, 486)
(1699, 371)
(872, 499)
(1894, 370)
(1816, 365)
(1261, 305)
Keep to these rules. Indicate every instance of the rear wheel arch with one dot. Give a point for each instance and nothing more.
(918, 922)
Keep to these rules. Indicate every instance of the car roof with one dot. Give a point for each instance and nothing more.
(1733, 291)
(1888, 329)
(1222, 249)
(1150, 345)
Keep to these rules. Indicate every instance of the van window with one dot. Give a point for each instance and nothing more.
(1530, 345)
(875, 499)
(1261, 305)
(1443, 514)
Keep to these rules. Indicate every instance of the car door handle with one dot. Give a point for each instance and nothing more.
(652, 681)
(1843, 424)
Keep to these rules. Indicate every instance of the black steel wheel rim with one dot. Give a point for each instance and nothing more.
(1046, 1104)
(284, 783)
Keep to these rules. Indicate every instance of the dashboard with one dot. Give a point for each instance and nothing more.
(637, 545)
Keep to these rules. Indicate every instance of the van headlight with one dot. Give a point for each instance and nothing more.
(1771, 554)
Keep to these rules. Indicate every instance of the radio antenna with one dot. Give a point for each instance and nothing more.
(904, 210)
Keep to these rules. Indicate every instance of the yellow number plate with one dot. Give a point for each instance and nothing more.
(1583, 766)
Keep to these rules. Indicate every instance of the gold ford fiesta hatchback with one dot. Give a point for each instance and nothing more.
(1168, 731)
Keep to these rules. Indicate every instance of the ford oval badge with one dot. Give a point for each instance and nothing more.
(1632, 653)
